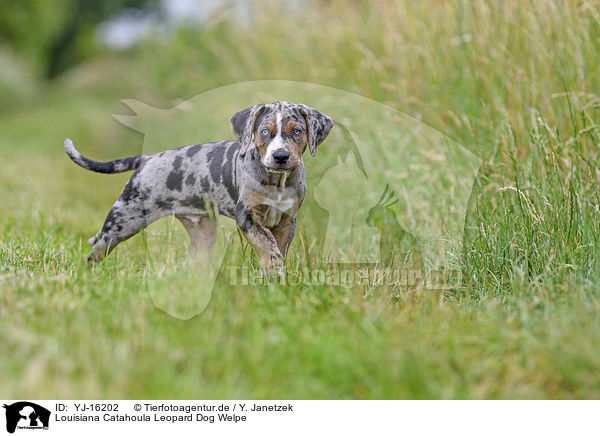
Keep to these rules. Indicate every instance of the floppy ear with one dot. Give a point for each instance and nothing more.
(318, 126)
(242, 125)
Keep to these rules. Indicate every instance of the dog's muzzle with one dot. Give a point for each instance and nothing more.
(279, 161)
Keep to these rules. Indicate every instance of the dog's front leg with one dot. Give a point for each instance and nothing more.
(284, 233)
(261, 239)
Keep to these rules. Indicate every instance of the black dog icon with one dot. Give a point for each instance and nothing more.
(30, 412)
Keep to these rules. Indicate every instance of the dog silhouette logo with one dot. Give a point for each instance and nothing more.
(386, 190)
(26, 415)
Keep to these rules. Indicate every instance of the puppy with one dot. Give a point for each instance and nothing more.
(259, 180)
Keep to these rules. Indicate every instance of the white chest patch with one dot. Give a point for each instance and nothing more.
(277, 206)
(276, 210)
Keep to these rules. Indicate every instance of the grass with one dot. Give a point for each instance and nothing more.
(516, 83)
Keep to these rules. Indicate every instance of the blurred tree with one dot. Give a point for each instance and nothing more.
(56, 35)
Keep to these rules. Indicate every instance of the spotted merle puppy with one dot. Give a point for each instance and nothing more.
(259, 180)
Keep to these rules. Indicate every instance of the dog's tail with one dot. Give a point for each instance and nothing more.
(110, 167)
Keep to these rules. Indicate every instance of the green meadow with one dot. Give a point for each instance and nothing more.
(515, 83)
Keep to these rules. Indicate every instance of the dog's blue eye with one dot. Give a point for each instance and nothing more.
(297, 131)
(265, 132)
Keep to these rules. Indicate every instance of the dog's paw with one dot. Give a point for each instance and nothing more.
(277, 262)
(272, 265)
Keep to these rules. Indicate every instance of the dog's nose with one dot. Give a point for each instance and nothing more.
(281, 156)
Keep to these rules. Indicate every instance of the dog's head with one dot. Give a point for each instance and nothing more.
(280, 132)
